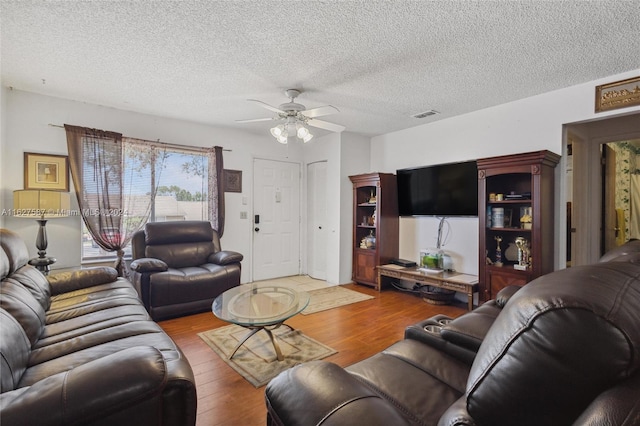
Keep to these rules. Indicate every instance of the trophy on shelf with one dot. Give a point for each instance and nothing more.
(498, 261)
(523, 254)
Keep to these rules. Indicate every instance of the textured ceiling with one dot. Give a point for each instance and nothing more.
(377, 61)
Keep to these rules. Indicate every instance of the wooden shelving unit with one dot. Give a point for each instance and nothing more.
(374, 195)
(526, 181)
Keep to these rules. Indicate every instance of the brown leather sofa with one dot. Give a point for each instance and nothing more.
(79, 348)
(565, 349)
(179, 268)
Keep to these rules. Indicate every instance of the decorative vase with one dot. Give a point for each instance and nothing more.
(370, 241)
(511, 253)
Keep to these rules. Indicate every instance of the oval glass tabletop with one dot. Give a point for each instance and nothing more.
(259, 304)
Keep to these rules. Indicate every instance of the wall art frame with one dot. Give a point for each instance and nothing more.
(619, 94)
(232, 180)
(46, 171)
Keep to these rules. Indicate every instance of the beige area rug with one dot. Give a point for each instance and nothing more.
(332, 297)
(256, 360)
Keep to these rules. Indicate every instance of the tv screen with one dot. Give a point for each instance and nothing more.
(439, 190)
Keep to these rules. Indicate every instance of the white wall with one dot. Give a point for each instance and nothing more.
(531, 124)
(346, 154)
(355, 152)
(3, 128)
(27, 117)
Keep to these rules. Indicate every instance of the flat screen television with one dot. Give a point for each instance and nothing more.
(441, 190)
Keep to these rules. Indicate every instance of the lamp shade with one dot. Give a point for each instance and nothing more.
(41, 203)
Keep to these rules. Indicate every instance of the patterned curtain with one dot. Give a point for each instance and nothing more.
(109, 175)
(216, 189)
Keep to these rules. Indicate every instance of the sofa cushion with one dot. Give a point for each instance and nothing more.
(36, 283)
(4, 264)
(89, 322)
(186, 284)
(84, 301)
(181, 255)
(162, 233)
(20, 303)
(403, 372)
(579, 342)
(15, 250)
(14, 352)
(66, 282)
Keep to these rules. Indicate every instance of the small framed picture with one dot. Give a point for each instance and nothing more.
(46, 171)
(619, 94)
(232, 180)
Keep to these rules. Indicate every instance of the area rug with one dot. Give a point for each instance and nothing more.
(256, 360)
(332, 297)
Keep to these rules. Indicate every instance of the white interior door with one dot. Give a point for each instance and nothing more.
(316, 223)
(276, 209)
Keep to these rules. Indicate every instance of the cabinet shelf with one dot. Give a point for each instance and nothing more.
(527, 173)
(522, 201)
(382, 188)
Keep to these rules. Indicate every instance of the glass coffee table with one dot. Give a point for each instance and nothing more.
(259, 306)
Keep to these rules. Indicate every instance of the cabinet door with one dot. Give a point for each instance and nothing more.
(500, 279)
(364, 267)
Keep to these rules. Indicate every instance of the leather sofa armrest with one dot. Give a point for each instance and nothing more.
(148, 265)
(226, 257)
(457, 414)
(64, 282)
(320, 392)
(505, 294)
(92, 391)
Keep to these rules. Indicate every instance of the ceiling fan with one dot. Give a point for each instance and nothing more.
(295, 118)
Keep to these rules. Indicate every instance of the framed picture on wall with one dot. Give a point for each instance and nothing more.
(46, 171)
(620, 94)
(232, 180)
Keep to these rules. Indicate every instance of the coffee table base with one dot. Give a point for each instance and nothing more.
(274, 341)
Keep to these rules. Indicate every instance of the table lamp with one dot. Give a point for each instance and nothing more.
(43, 205)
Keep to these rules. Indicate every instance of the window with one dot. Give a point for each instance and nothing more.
(181, 194)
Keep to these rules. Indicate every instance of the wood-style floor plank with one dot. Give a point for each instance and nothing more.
(356, 331)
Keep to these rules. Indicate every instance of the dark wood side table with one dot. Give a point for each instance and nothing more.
(461, 283)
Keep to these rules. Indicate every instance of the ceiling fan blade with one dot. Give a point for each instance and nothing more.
(267, 106)
(253, 120)
(320, 111)
(325, 125)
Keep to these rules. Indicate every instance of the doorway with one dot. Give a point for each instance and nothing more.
(592, 182)
(276, 220)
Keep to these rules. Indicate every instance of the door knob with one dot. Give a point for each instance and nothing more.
(256, 229)
(319, 227)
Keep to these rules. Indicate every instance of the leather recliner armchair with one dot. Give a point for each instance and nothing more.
(565, 349)
(179, 268)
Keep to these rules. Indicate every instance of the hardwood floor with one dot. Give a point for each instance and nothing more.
(356, 331)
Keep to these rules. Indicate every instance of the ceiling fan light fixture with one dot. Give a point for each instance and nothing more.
(302, 132)
(277, 131)
(296, 119)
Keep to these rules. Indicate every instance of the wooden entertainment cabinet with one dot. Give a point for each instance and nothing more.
(521, 183)
(375, 216)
